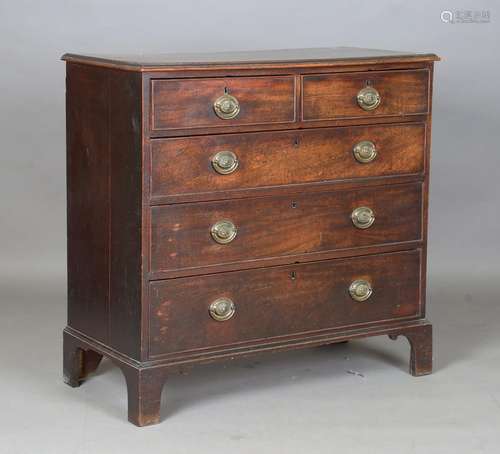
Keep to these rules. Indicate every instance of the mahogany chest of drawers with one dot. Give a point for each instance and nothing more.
(229, 204)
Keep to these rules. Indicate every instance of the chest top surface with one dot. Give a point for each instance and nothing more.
(285, 57)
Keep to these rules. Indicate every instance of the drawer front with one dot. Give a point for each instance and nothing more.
(190, 103)
(281, 301)
(267, 227)
(335, 96)
(190, 166)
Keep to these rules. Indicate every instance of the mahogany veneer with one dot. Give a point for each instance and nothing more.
(277, 226)
(222, 205)
(181, 169)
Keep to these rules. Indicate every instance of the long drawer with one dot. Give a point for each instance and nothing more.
(244, 306)
(195, 235)
(209, 166)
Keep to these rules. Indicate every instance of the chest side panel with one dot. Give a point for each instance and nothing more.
(104, 175)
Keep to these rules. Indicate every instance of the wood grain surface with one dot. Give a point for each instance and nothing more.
(281, 301)
(183, 166)
(282, 226)
(333, 96)
(189, 103)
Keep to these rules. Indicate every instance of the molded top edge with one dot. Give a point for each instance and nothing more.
(335, 56)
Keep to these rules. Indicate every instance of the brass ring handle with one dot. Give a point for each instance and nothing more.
(360, 290)
(368, 98)
(226, 107)
(225, 162)
(363, 217)
(223, 232)
(222, 309)
(365, 151)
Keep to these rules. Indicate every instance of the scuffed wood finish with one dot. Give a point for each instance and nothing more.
(142, 197)
(181, 103)
(104, 172)
(402, 93)
(282, 226)
(88, 215)
(182, 167)
(78, 362)
(281, 301)
(420, 339)
(144, 388)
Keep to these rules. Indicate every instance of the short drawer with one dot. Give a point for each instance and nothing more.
(208, 165)
(219, 102)
(196, 235)
(247, 306)
(365, 94)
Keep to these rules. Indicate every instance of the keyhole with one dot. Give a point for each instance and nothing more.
(296, 142)
(294, 204)
(226, 91)
(293, 275)
(369, 83)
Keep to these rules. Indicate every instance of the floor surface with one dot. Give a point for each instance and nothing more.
(352, 398)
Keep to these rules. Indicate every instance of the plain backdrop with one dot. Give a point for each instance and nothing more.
(464, 265)
(464, 214)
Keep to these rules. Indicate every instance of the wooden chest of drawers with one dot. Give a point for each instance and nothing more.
(230, 204)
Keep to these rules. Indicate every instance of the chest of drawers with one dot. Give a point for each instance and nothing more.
(230, 204)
